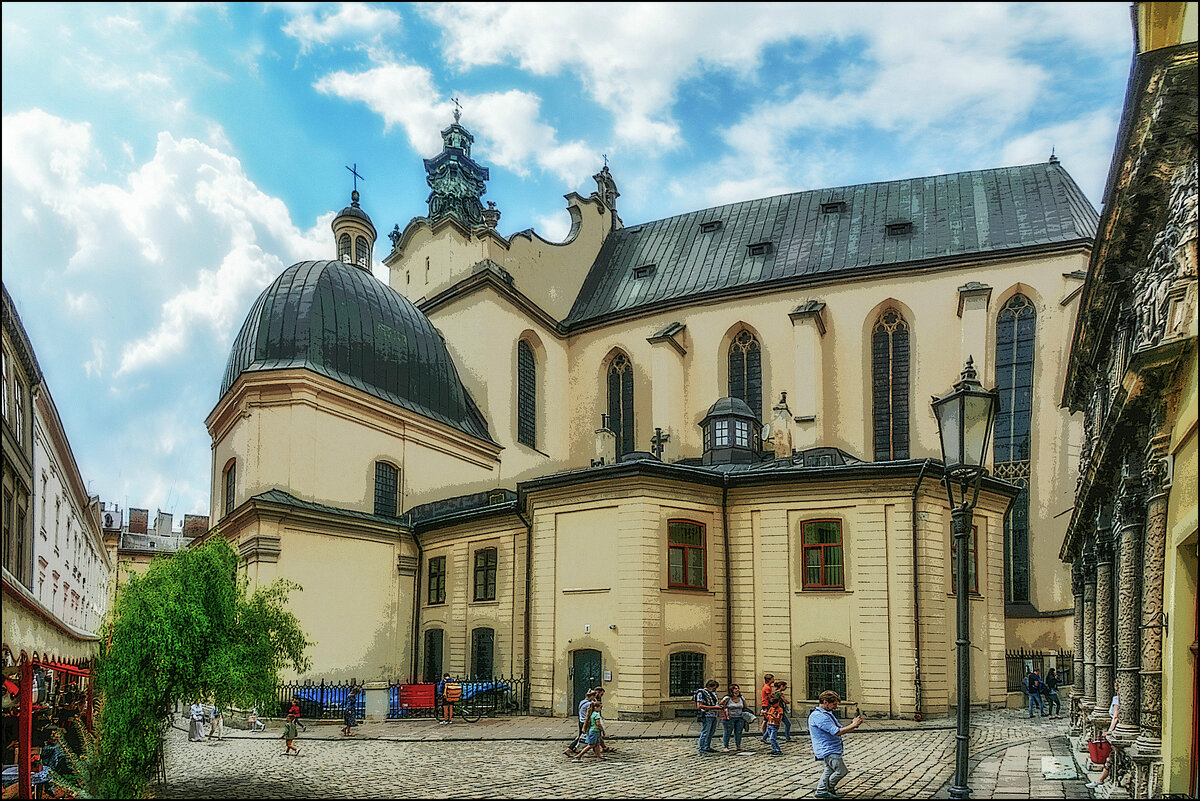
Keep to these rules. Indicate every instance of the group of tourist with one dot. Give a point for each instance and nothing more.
(216, 722)
(1042, 693)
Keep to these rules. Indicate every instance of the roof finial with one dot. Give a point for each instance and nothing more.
(1053, 158)
(605, 155)
(457, 110)
(354, 195)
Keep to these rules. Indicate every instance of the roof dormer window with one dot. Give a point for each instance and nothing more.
(833, 207)
(645, 271)
(731, 433)
(899, 228)
(711, 226)
(761, 248)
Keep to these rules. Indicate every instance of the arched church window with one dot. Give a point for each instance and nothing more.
(362, 252)
(230, 485)
(620, 402)
(889, 386)
(526, 395)
(344, 249)
(1015, 333)
(745, 371)
(387, 489)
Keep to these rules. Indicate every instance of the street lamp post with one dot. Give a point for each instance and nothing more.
(964, 417)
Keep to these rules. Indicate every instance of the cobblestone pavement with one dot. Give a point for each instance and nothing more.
(522, 758)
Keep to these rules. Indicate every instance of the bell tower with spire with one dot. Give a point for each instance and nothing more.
(353, 232)
(456, 181)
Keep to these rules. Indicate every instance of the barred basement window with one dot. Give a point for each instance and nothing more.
(483, 652)
(485, 574)
(387, 484)
(526, 395)
(745, 371)
(437, 581)
(344, 248)
(620, 402)
(826, 672)
(686, 674)
(889, 386)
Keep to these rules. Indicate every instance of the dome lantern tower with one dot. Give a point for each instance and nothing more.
(353, 233)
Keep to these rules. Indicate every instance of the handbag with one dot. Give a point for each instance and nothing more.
(1099, 751)
(747, 716)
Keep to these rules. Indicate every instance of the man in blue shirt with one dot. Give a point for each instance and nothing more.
(827, 746)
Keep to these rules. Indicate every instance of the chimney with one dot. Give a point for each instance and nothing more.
(781, 428)
(138, 521)
(194, 525)
(606, 446)
(163, 523)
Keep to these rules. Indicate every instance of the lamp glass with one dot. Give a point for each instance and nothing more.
(977, 413)
(949, 417)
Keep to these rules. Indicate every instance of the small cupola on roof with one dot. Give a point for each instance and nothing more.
(731, 433)
(456, 181)
(353, 232)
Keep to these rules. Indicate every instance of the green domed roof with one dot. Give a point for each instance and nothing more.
(340, 321)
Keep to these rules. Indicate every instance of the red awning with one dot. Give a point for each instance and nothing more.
(63, 667)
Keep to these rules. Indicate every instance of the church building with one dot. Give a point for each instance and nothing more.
(653, 454)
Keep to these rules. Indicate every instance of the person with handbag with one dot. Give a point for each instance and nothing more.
(1114, 710)
(732, 707)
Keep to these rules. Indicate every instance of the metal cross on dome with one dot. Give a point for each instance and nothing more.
(354, 171)
(457, 109)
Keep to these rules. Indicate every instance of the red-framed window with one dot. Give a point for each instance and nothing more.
(972, 563)
(685, 555)
(824, 558)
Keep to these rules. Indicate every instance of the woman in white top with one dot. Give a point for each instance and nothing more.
(1113, 710)
(732, 707)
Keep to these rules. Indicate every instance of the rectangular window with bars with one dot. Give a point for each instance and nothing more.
(437, 581)
(483, 652)
(686, 674)
(822, 553)
(387, 483)
(685, 555)
(485, 574)
(826, 672)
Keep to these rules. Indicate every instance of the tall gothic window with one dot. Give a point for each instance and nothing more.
(387, 489)
(230, 489)
(526, 395)
(362, 252)
(344, 249)
(889, 386)
(745, 371)
(1015, 329)
(620, 402)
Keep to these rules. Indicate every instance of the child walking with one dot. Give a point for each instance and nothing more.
(773, 717)
(289, 734)
(595, 731)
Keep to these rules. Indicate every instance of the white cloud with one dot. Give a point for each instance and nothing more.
(349, 21)
(1084, 145)
(507, 125)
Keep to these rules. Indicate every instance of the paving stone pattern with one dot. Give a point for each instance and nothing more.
(522, 758)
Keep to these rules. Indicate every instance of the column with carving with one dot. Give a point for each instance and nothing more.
(1077, 668)
(1104, 619)
(1128, 529)
(1089, 628)
(1147, 749)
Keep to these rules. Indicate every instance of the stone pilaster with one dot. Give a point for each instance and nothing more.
(1104, 620)
(1089, 628)
(1128, 529)
(1077, 657)
(1147, 749)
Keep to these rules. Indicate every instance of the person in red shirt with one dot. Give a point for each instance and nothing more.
(764, 698)
(294, 712)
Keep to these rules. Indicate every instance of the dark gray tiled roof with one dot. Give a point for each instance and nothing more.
(342, 322)
(958, 215)
(287, 499)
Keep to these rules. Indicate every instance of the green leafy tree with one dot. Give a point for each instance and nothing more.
(186, 629)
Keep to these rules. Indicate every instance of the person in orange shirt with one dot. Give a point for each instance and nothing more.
(773, 716)
(764, 700)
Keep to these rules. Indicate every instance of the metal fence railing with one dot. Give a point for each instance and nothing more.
(321, 700)
(498, 695)
(1019, 661)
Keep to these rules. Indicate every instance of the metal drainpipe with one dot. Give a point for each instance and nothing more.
(528, 591)
(415, 674)
(728, 581)
(916, 592)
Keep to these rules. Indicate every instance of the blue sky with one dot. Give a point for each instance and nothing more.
(162, 164)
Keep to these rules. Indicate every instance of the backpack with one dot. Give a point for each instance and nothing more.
(452, 692)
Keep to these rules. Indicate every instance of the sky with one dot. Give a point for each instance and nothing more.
(162, 164)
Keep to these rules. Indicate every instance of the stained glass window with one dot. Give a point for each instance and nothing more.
(745, 371)
(889, 386)
(620, 402)
(1016, 326)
